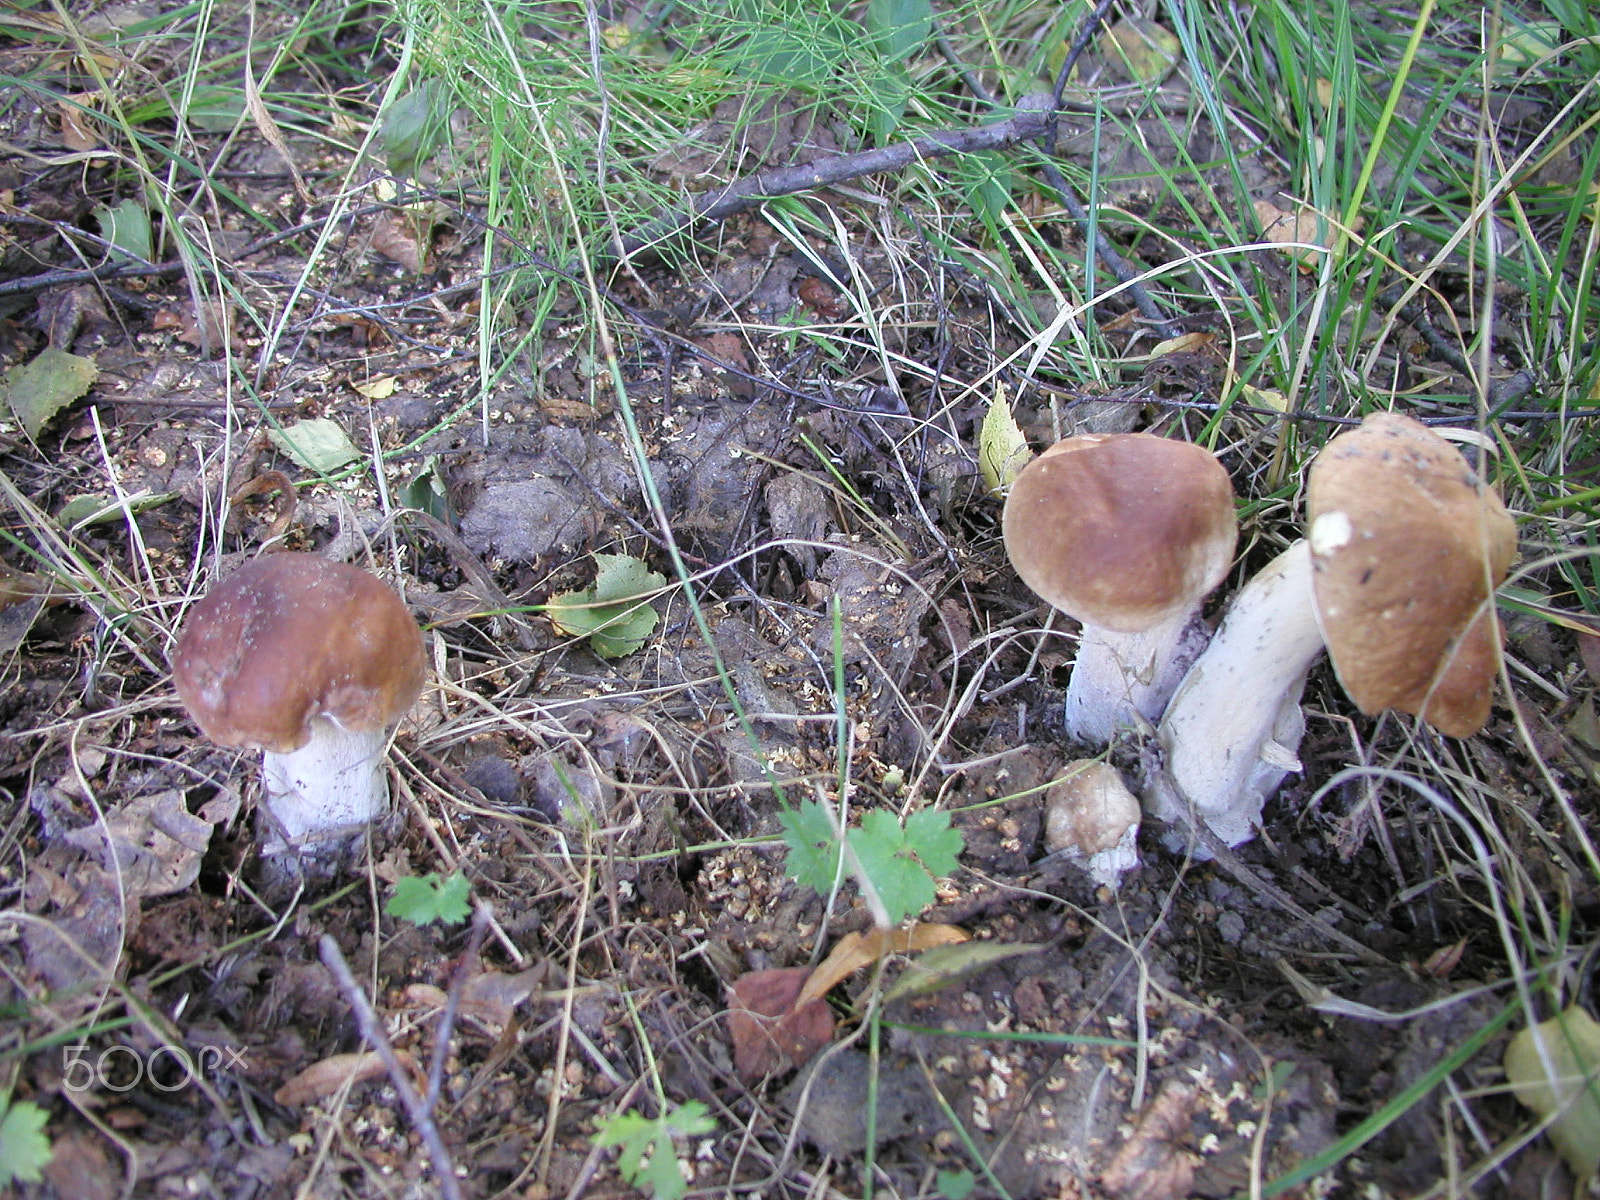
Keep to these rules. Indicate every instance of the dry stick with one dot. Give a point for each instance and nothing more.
(754, 190)
(452, 1004)
(367, 1022)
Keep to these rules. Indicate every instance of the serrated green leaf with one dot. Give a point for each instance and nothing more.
(813, 858)
(1567, 1089)
(317, 444)
(39, 389)
(25, 1150)
(928, 833)
(1002, 450)
(636, 1135)
(423, 899)
(902, 883)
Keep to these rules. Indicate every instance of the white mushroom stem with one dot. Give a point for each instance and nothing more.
(1233, 728)
(333, 785)
(1118, 678)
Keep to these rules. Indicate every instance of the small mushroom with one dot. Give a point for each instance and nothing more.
(1092, 819)
(1126, 532)
(312, 662)
(1397, 578)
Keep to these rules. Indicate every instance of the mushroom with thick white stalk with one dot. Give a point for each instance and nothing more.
(1092, 819)
(1128, 533)
(313, 662)
(1396, 578)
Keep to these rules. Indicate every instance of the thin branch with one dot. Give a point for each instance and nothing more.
(372, 1030)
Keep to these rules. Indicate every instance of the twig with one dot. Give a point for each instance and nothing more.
(753, 190)
(367, 1022)
(452, 1004)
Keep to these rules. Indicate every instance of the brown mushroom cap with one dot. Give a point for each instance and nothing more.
(288, 638)
(1408, 544)
(1121, 530)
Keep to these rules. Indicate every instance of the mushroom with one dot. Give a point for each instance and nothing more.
(313, 662)
(1092, 819)
(1397, 577)
(1405, 604)
(1127, 532)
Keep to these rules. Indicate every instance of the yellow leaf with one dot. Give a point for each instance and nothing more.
(1552, 1069)
(380, 388)
(1002, 450)
(1184, 343)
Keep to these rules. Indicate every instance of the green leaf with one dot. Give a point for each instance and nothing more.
(955, 1185)
(127, 227)
(1568, 1090)
(900, 861)
(427, 898)
(24, 1147)
(317, 444)
(613, 614)
(637, 1135)
(813, 858)
(891, 867)
(900, 28)
(39, 389)
(938, 846)
(942, 966)
(415, 126)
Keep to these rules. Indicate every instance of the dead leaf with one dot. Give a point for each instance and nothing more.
(769, 1031)
(380, 388)
(397, 236)
(857, 950)
(1184, 343)
(78, 129)
(325, 1078)
(1589, 652)
(821, 297)
(154, 843)
(1299, 232)
(1154, 1163)
(489, 996)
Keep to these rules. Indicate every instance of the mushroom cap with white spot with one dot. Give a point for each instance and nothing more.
(1408, 544)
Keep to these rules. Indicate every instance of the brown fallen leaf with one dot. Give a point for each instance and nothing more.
(1589, 651)
(398, 237)
(769, 1030)
(323, 1079)
(489, 996)
(1155, 1163)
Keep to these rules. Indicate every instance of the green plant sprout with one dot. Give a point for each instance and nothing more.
(428, 898)
(24, 1147)
(896, 862)
(638, 1136)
